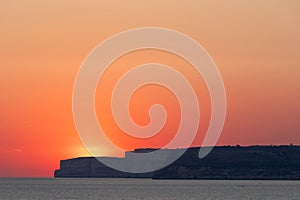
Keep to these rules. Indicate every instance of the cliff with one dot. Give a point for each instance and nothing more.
(90, 167)
(224, 162)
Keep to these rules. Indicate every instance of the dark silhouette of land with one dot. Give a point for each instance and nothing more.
(224, 162)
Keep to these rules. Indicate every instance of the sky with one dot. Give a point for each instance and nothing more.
(255, 44)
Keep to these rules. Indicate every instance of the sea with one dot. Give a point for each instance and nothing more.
(94, 188)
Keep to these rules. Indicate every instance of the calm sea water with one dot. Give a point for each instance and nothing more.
(146, 189)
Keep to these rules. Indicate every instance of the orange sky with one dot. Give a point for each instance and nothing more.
(256, 45)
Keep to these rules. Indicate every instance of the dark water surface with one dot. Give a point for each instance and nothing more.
(15, 188)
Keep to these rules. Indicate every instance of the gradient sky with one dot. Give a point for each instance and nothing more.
(256, 45)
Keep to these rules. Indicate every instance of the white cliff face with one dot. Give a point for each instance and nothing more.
(91, 167)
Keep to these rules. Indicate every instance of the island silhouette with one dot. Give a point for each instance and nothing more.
(280, 162)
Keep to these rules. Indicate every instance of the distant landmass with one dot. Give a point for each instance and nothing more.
(224, 162)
